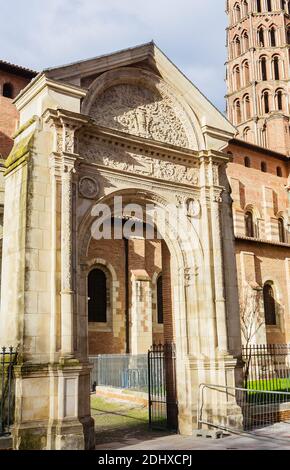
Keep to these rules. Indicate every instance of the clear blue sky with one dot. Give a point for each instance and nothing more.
(40, 34)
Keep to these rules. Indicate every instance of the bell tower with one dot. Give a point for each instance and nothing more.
(258, 43)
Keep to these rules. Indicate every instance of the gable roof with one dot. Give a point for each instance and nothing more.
(152, 56)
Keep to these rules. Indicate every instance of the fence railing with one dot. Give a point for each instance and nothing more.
(120, 371)
(8, 358)
(258, 409)
(267, 367)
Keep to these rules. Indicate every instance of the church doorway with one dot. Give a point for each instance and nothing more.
(130, 320)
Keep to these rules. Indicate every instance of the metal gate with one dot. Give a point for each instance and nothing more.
(8, 358)
(163, 406)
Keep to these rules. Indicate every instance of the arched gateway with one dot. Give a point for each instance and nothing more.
(123, 138)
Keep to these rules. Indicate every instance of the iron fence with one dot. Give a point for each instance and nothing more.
(124, 371)
(163, 406)
(8, 358)
(267, 367)
(240, 409)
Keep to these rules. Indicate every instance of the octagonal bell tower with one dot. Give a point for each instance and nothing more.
(258, 42)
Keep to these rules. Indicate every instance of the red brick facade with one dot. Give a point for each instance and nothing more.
(263, 257)
(17, 78)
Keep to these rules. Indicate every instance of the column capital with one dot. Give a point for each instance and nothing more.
(65, 124)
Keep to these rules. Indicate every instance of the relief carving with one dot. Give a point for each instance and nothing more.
(124, 160)
(88, 187)
(144, 112)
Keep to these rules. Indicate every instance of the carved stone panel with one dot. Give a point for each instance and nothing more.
(144, 112)
(138, 164)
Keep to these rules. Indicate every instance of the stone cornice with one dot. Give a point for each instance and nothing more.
(263, 241)
(40, 83)
(61, 116)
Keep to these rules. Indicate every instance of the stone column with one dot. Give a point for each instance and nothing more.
(215, 365)
(67, 293)
(218, 274)
(141, 313)
(208, 313)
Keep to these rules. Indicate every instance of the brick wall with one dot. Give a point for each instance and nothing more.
(153, 257)
(8, 113)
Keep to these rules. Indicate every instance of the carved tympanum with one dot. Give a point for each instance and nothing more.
(143, 112)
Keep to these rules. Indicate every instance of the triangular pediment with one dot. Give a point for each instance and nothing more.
(210, 128)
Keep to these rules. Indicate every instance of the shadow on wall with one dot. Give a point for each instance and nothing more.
(6, 145)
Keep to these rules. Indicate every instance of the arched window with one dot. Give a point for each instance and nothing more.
(279, 100)
(269, 5)
(276, 68)
(259, 6)
(261, 37)
(246, 73)
(8, 90)
(247, 162)
(237, 13)
(269, 305)
(283, 4)
(245, 41)
(264, 167)
(237, 77)
(288, 36)
(265, 101)
(273, 37)
(247, 107)
(264, 68)
(97, 296)
(246, 134)
(249, 224)
(160, 301)
(238, 114)
(245, 7)
(281, 228)
(279, 172)
(238, 46)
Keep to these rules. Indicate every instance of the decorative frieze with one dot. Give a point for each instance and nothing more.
(133, 162)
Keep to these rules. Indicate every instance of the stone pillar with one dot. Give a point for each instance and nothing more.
(169, 330)
(67, 343)
(216, 365)
(141, 312)
(271, 227)
(52, 396)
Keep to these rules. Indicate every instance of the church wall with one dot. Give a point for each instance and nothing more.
(259, 263)
(262, 192)
(111, 339)
(264, 258)
(9, 115)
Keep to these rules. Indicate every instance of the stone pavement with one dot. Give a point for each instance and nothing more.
(272, 438)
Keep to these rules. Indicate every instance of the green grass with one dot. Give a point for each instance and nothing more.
(111, 415)
(256, 388)
(277, 385)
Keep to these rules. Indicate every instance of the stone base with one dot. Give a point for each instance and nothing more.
(67, 435)
(6, 443)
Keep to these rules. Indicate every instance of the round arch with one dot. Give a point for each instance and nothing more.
(187, 288)
(147, 79)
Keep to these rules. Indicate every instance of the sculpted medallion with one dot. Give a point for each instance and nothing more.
(88, 187)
